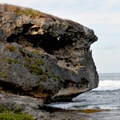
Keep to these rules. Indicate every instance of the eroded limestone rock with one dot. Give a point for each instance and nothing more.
(45, 56)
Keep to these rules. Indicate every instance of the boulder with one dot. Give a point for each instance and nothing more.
(44, 56)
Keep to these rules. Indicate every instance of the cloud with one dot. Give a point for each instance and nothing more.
(108, 48)
(39, 2)
(103, 16)
(85, 11)
(103, 48)
(111, 3)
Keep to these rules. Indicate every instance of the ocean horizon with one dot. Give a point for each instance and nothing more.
(105, 97)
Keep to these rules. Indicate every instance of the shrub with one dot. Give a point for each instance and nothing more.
(9, 115)
(16, 114)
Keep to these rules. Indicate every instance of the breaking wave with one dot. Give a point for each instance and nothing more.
(108, 85)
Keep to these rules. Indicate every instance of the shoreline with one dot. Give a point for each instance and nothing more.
(77, 115)
(35, 107)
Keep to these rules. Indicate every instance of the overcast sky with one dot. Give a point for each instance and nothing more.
(103, 16)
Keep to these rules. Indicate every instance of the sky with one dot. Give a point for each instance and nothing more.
(103, 16)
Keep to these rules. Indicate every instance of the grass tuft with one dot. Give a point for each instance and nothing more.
(10, 47)
(23, 11)
(34, 65)
(9, 115)
(16, 114)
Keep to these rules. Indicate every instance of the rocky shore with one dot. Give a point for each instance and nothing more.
(36, 108)
(43, 59)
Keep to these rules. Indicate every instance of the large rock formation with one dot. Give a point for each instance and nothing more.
(44, 56)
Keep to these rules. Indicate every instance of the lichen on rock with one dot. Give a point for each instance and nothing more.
(45, 56)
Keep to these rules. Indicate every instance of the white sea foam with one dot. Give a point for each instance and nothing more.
(108, 85)
(81, 105)
(66, 105)
(100, 98)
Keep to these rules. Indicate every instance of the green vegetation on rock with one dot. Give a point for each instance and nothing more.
(35, 51)
(9, 115)
(10, 47)
(4, 74)
(16, 114)
(16, 60)
(43, 78)
(21, 11)
(27, 11)
(56, 77)
(9, 60)
(34, 65)
(36, 69)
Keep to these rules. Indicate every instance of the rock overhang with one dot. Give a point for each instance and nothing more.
(62, 45)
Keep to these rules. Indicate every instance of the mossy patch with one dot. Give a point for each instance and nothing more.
(22, 52)
(31, 62)
(43, 78)
(36, 52)
(36, 69)
(9, 115)
(56, 77)
(16, 60)
(10, 47)
(9, 60)
(4, 74)
(34, 65)
(16, 114)
(38, 61)
(27, 11)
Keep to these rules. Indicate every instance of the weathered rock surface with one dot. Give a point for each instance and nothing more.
(44, 56)
(33, 106)
(26, 104)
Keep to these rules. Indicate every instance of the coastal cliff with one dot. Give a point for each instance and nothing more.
(43, 56)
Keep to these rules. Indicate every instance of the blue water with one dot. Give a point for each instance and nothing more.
(106, 96)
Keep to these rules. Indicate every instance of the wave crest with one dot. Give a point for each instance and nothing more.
(108, 85)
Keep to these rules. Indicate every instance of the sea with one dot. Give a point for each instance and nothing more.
(105, 98)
